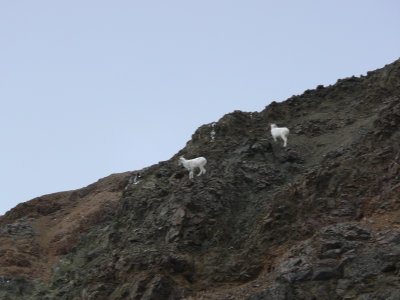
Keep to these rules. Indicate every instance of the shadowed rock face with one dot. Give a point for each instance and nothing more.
(318, 219)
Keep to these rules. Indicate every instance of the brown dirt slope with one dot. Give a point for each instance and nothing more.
(37, 233)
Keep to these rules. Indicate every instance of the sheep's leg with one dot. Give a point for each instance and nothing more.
(202, 171)
(284, 141)
(191, 174)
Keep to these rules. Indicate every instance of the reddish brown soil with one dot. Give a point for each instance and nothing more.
(57, 220)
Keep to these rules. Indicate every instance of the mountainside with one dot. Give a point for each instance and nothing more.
(318, 219)
(36, 234)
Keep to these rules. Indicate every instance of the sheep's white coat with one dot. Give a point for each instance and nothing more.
(281, 132)
(191, 164)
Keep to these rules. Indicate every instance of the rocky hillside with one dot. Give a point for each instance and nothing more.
(318, 219)
(36, 234)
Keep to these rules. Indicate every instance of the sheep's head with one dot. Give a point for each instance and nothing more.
(273, 125)
(181, 160)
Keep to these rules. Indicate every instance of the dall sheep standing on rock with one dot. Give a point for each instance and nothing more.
(191, 164)
(281, 132)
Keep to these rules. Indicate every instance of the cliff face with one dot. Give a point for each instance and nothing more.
(318, 219)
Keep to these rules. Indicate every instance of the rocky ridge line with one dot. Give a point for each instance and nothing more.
(315, 220)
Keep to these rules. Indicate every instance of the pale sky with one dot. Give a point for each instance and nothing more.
(89, 88)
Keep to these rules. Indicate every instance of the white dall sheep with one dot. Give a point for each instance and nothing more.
(281, 132)
(191, 164)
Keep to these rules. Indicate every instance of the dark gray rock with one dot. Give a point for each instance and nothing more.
(273, 292)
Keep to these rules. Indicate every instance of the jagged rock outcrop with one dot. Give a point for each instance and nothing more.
(316, 220)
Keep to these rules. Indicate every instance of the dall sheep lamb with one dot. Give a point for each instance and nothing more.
(191, 164)
(281, 132)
